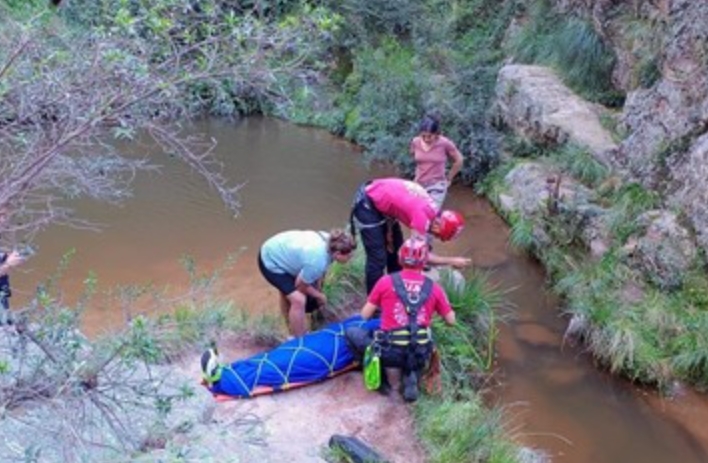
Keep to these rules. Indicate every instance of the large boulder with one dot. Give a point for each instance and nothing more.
(664, 250)
(533, 102)
(530, 187)
(531, 191)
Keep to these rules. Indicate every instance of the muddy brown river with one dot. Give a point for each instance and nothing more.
(555, 398)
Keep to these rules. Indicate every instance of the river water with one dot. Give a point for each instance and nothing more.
(555, 398)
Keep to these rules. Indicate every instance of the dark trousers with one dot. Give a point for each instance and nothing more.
(381, 250)
(5, 292)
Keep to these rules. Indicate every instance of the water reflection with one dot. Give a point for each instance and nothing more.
(292, 178)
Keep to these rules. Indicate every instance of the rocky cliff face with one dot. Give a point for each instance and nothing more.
(662, 64)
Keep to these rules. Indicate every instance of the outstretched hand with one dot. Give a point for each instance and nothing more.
(14, 258)
(460, 262)
(455, 262)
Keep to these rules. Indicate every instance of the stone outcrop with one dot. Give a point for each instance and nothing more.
(664, 118)
(662, 121)
(531, 191)
(533, 102)
(664, 250)
(531, 185)
(688, 188)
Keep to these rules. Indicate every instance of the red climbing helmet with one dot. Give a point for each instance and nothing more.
(450, 224)
(413, 253)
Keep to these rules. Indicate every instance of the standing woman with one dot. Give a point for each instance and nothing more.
(431, 150)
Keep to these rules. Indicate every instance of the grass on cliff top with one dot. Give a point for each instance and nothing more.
(572, 47)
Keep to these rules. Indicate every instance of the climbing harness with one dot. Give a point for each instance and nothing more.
(362, 200)
(413, 301)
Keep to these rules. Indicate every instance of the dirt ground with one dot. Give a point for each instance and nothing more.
(296, 425)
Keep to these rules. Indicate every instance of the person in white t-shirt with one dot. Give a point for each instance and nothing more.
(295, 262)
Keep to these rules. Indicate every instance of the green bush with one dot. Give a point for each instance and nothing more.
(382, 100)
(271, 49)
(373, 19)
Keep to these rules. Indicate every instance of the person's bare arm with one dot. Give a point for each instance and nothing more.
(13, 259)
(457, 162)
(368, 310)
(453, 261)
(450, 318)
(311, 290)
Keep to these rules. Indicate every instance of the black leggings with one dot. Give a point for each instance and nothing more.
(373, 227)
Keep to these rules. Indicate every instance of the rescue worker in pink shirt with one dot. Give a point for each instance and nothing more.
(408, 300)
(431, 152)
(381, 205)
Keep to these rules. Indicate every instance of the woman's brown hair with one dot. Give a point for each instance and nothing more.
(341, 241)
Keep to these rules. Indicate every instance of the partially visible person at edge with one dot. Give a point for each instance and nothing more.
(431, 151)
(7, 262)
(295, 263)
(408, 299)
(379, 206)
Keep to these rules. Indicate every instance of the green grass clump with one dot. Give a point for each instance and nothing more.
(522, 235)
(579, 164)
(467, 348)
(691, 348)
(492, 185)
(344, 286)
(463, 430)
(626, 205)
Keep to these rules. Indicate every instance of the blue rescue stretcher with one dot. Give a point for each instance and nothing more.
(298, 362)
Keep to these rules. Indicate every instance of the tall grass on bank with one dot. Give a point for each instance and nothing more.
(691, 348)
(456, 426)
(468, 347)
(344, 286)
(631, 326)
